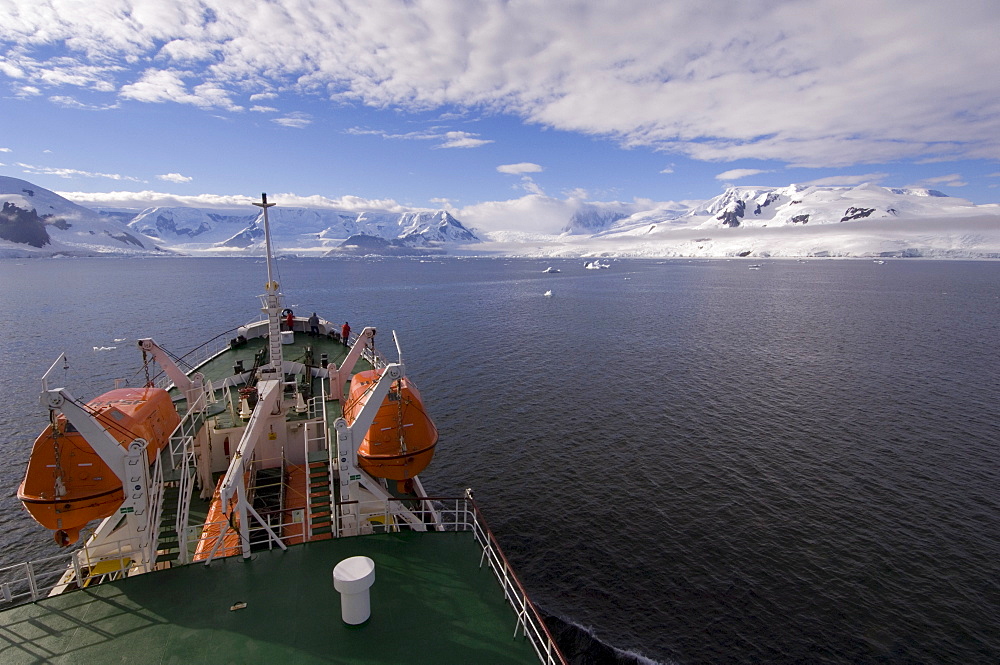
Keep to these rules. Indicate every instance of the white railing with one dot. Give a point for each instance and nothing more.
(154, 512)
(185, 489)
(34, 580)
(185, 430)
(528, 620)
(195, 358)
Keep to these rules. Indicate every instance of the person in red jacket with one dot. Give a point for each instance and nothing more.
(289, 319)
(345, 332)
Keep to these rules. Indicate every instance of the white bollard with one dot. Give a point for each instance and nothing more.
(353, 577)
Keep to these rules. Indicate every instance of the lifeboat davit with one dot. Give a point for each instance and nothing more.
(67, 484)
(400, 442)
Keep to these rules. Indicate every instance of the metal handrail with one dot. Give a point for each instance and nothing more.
(33, 580)
(529, 619)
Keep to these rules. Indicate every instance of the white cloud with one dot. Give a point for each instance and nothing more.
(529, 185)
(175, 177)
(532, 213)
(164, 85)
(517, 169)
(5, 150)
(462, 140)
(73, 173)
(295, 120)
(847, 180)
(263, 109)
(806, 83)
(70, 102)
(951, 180)
(737, 174)
(668, 170)
(449, 139)
(261, 96)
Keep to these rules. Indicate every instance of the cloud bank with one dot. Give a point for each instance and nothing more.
(151, 199)
(813, 83)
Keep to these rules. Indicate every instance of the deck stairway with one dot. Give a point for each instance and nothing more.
(178, 488)
(320, 501)
(168, 541)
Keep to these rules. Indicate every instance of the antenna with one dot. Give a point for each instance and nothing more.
(272, 299)
(271, 286)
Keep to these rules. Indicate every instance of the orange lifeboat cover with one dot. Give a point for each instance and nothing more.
(400, 442)
(89, 488)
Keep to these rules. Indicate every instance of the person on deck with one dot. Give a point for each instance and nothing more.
(314, 325)
(289, 319)
(345, 331)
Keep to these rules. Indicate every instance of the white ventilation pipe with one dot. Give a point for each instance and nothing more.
(353, 578)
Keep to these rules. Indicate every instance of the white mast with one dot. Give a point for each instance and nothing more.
(272, 298)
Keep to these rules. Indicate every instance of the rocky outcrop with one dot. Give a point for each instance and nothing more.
(856, 213)
(23, 226)
(366, 245)
(732, 214)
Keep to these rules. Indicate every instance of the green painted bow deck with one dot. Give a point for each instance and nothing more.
(431, 603)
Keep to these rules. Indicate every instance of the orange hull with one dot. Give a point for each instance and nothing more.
(400, 443)
(67, 484)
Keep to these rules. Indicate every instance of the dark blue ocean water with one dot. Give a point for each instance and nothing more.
(694, 461)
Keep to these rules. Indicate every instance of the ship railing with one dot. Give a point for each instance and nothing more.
(185, 431)
(185, 490)
(195, 358)
(33, 580)
(463, 514)
(529, 620)
(154, 512)
(200, 355)
(368, 353)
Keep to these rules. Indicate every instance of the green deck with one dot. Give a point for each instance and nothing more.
(221, 367)
(431, 603)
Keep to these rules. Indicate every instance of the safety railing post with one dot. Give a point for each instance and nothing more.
(29, 573)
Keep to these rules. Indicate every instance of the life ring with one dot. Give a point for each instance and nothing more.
(285, 312)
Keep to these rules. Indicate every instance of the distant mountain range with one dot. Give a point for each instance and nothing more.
(867, 220)
(38, 222)
(300, 230)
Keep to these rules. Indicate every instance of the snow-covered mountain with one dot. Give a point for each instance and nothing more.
(768, 206)
(295, 230)
(793, 221)
(37, 222)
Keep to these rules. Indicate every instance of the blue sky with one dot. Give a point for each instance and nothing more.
(493, 108)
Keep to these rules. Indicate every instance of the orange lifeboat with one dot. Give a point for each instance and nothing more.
(67, 484)
(400, 442)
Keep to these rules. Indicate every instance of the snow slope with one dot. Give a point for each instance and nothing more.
(38, 222)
